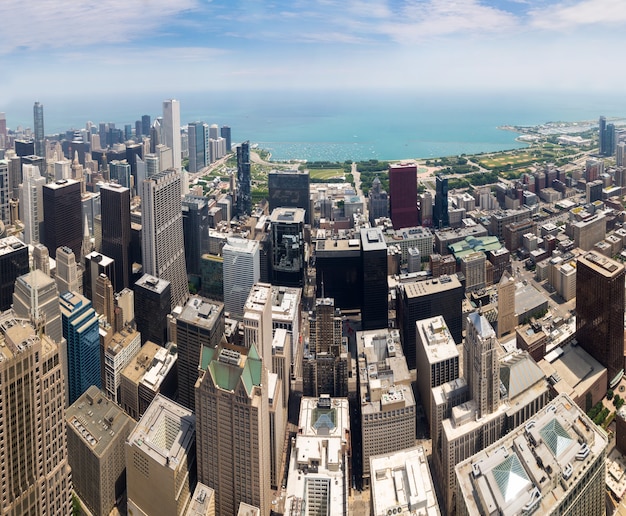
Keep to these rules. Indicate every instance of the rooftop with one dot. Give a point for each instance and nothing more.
(202, 312)
(10, 244)
(165, 432)
(96, 420)
(202, 500)
(431, 286)
(151, 364)
(285, 302)
(533, 467)
(289, 215)
(601, 264)
(372, 239)
(437, 340)
(153, 283)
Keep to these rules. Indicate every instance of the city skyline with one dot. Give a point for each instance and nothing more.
(426, 45)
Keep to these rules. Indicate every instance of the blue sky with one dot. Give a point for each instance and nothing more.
(116, 46)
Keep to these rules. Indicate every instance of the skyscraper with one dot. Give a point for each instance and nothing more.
(290, 189)
(81, 331)
(403, 195)
(241, 271)
(67, 270)
(31, 204)
(40, 149)
(162, 243)
(196, 231)
(233, 430)
(374, 307)
(37, 476)
(152, 305)
(5, 193)
(441, 218)
(198, 138)
(244, 180)
(13, 263)
(171, 130)
(378, 201)
(63, 220)
(600, 311)
(288, 259)
(145, 125)
(115, 209)
(225, 133)
(3, 131)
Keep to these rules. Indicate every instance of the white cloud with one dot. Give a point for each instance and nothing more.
(570, 15)
(45, 24)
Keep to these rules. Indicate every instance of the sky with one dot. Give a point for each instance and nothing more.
(102, 47)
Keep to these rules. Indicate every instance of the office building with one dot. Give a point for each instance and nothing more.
(437, 358)
(241, 271)
(115, 208)
(13, 263)
(378, 201)
(202, 501)
(226, 134)
(161, 460)
(388, 408)
(151, 371)
(441, 219)
(97, 430)
(162, 243)
(339, 271)
(96, 264)
(24, 147)
(145, 125)
(555, 464)
(212, 276)
(374, 305)
(288, 259)
(80, 329)
(36, 477)
(600, 311)
(6, 192)
(588, 231)
(290, 189)
(152, 306)
(67, 271)
(286, 308)
(4, 137)
(418, 238)
(244, 180)
(120, 173)
(201, 323)
(31, 206)
(171, 131)
(424, 299)
(232, 410)
(319, 476)
(198, 138)
(257, 322)
(403, 195)
(401, 482)
(507, 318)
(473, 268)
(40, 144)
(62, 211)
(118, 350)
(195, 230)
(104, 301)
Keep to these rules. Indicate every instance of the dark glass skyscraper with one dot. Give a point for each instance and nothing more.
(152, 306)
(374, 307)
(290, 189)
(225, 133)
(198, 138)
(403, 195)
(39, 132)
(63, 221)
(145, 125)
(440, 212)
(195, 231)
(115, 210)
(244, 180)
(13, 264)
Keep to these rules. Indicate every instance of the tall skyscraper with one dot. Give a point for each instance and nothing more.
(374, 307)
(96, 264)
(480, 364)
(171, 130)
(244, 180)
(196, 231)
(225, 133)
(31, 204)
(3, 131)
(198, 149)
(241, 271)
(600, 311)
(63, 218)
(13, 263)
(152, 305)
(441, 219)
(5, 193)
(290, 189)
(201, 323)
(81, 331)
(115, 209)
(40, 148)
(378, 201)
(288, 259)
(37, 476)
(233, 430)
(145, 125)
(403, 195)
(162, 243)
(67, 271)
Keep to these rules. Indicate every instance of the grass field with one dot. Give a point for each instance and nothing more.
(503, 160)
(326, 174)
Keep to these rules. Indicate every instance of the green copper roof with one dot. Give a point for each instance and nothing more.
(226, 374)
(206, 356)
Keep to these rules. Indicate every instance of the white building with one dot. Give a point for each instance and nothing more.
(242, 269)
(31, 203)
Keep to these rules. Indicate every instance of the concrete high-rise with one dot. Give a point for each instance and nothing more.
(40, 148)
(13, 263)
(31, 203)
(171, 131)
(441, 218)
(244, 180)
(378, 201)
(96, 437)
(67, 271)
(63, 218)
(600, 311)
(201, 323)
(403, 195)
(37, 478)
(81, 331)
(115, 209)
(242, 269)
(233, 430)
(161, 460)
(162, 243)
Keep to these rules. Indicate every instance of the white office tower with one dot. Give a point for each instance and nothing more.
(171, 134)
(554, 464)
(31, 203)
(162, 246)
(5, 194)
(67, 271)
(62, 169)
(242, 269)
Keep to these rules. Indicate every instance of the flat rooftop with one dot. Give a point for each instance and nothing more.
(285, 303)
(372, 239)
(153, 283)
(533, 467)
(601, 264)
(10, 245)
(287, 215)
(96, 420)
(202, 501)
(153, 362)
(431, 286)
(202, 312)
(436, 339)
